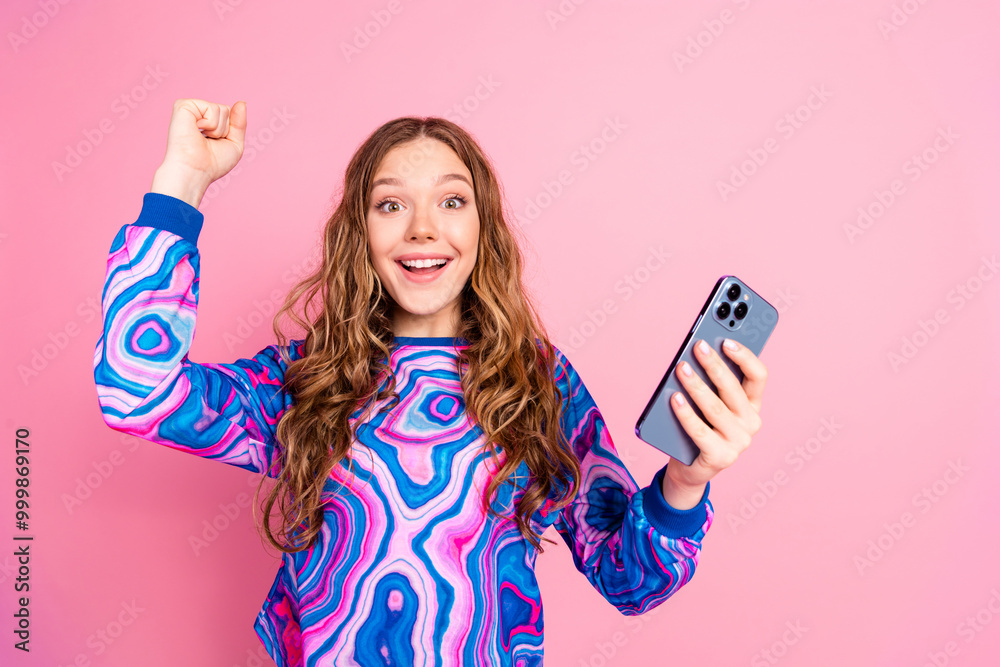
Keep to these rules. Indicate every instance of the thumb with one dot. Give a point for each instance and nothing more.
(238, 124)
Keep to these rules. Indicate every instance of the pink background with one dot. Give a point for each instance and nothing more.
(533, 90)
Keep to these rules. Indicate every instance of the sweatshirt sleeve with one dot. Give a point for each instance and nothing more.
(146, 384)
(632, 546)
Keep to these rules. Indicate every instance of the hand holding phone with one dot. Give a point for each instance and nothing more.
(732, 310)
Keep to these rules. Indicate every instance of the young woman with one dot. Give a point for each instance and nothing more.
(424, 432)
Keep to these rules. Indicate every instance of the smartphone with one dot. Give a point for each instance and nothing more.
(732, 310)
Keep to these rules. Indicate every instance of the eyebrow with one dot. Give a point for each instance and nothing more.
(444, 178)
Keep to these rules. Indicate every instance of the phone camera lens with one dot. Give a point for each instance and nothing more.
(734, 292)
(723, 310)
(740, 311)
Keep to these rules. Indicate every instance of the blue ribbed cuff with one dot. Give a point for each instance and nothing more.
(172, 214)
(668, 520)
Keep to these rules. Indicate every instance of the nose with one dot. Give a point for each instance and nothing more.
(422, 224)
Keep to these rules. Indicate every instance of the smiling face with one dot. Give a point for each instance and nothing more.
(423, 207)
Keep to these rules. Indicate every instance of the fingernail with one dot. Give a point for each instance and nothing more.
(730, 345)
(686, 368)
(703, 346)
(679, 397)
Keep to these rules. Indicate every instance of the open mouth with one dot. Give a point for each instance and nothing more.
(425, 269)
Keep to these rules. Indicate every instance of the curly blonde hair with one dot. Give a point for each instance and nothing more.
(509, 385)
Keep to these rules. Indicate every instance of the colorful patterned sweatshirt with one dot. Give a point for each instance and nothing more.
(407, 569)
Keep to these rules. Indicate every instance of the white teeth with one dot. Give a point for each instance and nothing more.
(422, 263)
